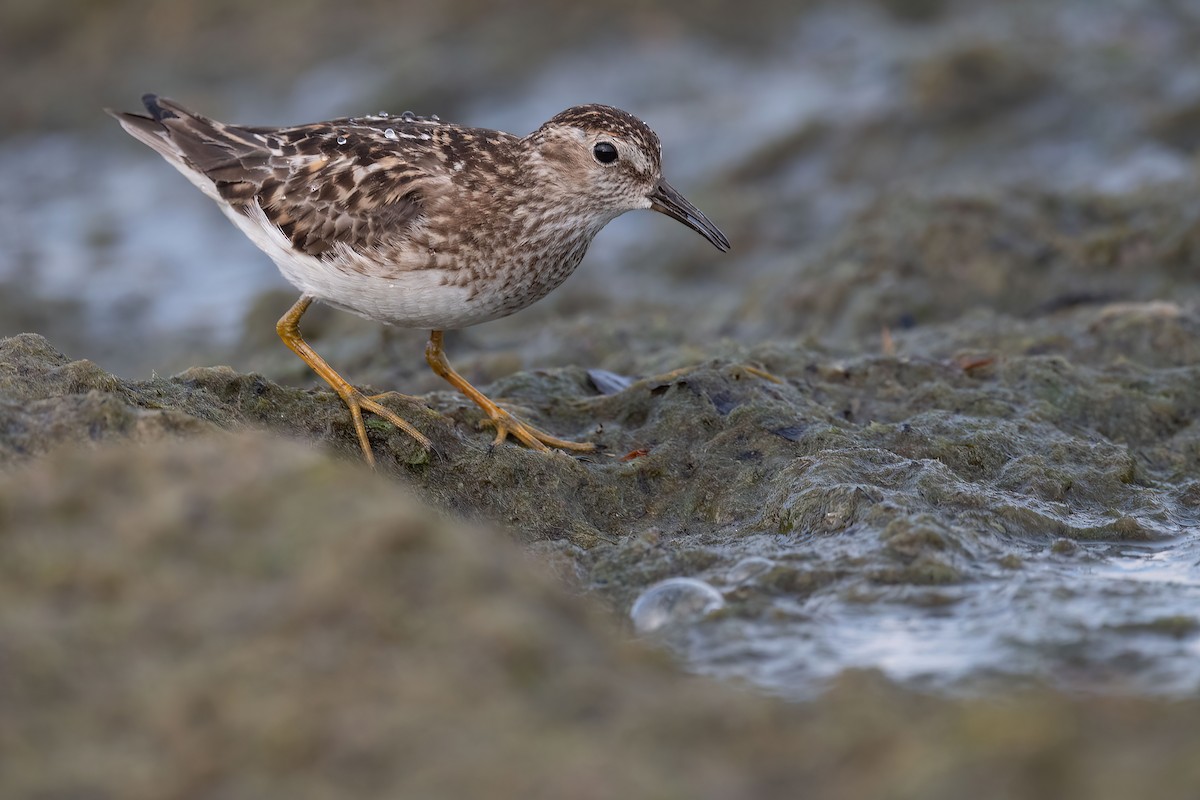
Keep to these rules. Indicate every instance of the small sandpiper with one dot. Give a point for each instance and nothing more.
(419, 223)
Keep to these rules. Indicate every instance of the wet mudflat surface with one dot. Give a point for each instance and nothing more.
(228, 616)
(919, 455)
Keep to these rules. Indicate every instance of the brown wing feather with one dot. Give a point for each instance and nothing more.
(361, 193)
(346, 181)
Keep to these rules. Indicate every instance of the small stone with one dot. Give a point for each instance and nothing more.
(674, 601)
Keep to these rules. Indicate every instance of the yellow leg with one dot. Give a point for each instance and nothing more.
(288, 329)
(506, 424)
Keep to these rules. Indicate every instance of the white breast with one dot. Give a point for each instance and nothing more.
(411, 299)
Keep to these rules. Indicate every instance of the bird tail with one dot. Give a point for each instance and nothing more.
(195, 145)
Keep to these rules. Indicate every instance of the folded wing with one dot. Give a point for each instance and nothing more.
(327, 186)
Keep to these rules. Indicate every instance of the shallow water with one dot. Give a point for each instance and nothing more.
(1103, 618)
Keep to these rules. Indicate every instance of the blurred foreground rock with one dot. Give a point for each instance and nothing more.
(234, 616)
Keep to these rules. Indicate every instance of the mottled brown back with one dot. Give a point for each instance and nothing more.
(346, 181)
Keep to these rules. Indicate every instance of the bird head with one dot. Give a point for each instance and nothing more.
(610, 160)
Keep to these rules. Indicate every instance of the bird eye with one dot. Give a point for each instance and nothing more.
(605, 152)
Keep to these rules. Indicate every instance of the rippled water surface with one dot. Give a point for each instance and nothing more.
(1102, 617)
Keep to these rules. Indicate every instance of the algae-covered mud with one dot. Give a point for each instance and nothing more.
(1024, 512)
(919, 456)
(237, 616)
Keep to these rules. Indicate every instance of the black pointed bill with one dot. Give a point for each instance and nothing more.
(666, 200)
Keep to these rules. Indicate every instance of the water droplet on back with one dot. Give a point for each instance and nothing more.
(408, 116)
(341, 139)
(390, 134)
(383, 114)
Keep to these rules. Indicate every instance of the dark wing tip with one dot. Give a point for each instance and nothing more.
(157, 111)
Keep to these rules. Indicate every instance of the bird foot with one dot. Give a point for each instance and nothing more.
(358, 402)
(507, 425)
